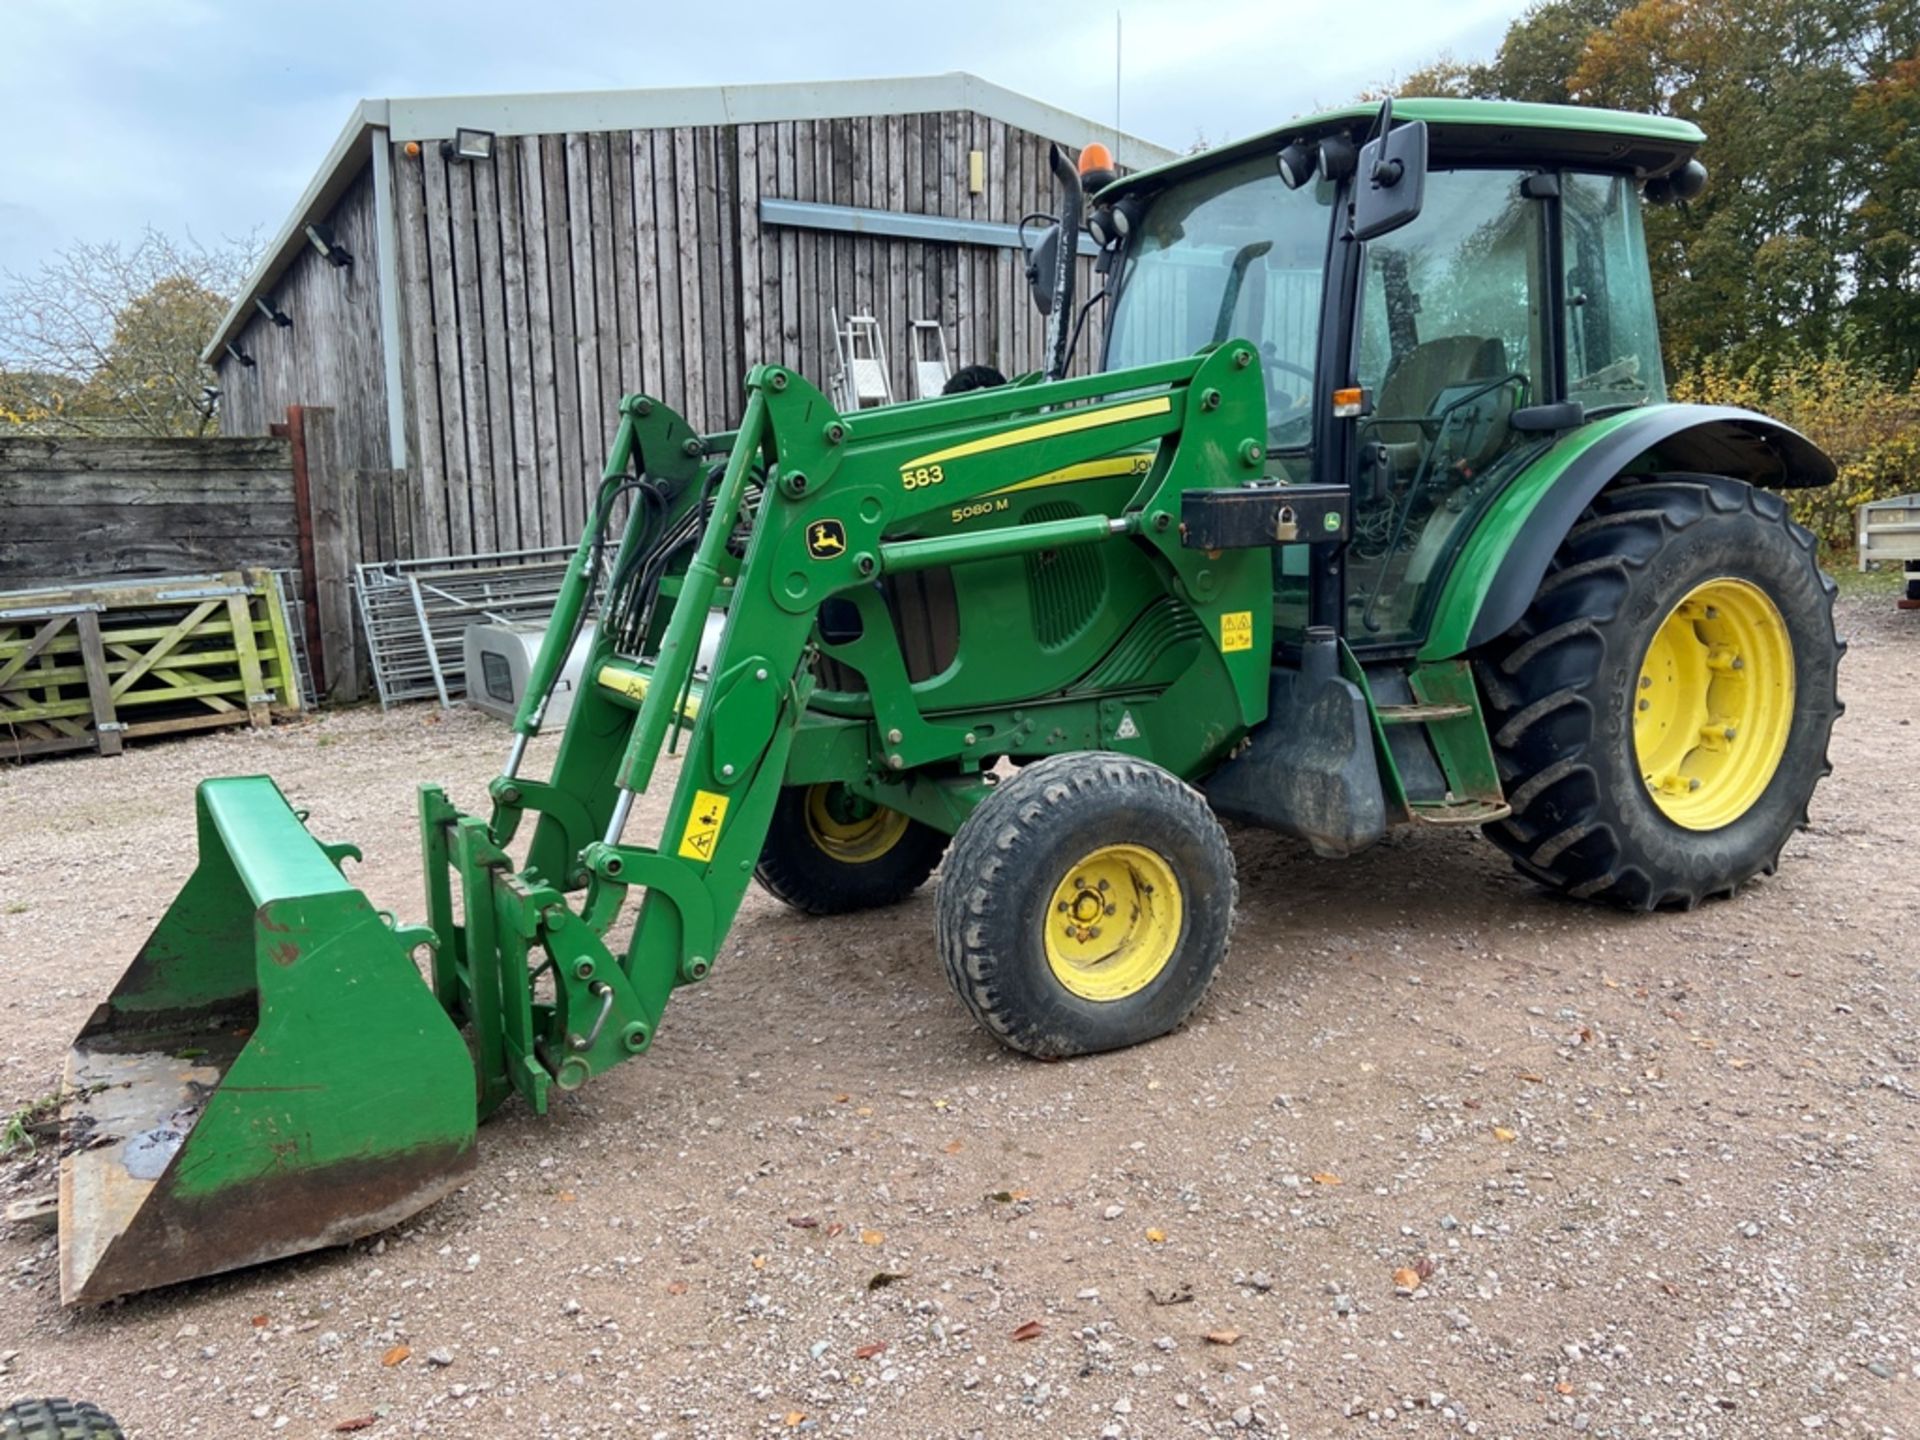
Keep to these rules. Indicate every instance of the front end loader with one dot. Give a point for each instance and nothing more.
(1375, 514)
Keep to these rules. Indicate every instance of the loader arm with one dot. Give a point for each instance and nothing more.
(271, 1076)
(832, 507)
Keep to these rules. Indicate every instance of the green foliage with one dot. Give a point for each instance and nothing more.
(105, 339)
(20, 1132)
(1793, 284)
(1869, 426)
(1806, 236)
(33, 398)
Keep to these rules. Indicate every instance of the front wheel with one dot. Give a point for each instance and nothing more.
(830, 851)
(1660, 715)
(57, 1420)
(1085, 905)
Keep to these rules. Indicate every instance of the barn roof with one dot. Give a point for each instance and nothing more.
(435, 117)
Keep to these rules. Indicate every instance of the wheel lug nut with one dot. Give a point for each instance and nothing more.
(1113, 909)
(1646, 704)
(1728, 733)
(1693, 784)
(1646, 682)
(1103, 885)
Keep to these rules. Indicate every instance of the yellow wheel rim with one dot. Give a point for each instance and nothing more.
(850, 828)
(1113, 922)
(1714, 704)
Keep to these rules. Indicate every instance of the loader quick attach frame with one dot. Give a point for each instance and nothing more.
(813, 506)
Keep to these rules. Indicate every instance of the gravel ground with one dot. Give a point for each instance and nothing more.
(1651, 1176)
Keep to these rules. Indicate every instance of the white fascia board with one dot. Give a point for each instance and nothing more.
(437, 117)
(341, 167)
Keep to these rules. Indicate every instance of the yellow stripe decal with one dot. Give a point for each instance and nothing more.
(1046, 429)
(1089, 470)
(634, 686)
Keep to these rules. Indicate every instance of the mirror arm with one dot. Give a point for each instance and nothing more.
(1066, 255)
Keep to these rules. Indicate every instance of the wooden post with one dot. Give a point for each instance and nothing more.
(246, 646)
(296, 428)
(106, 723)
(333, 493)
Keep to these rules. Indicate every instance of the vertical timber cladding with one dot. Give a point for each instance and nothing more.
(540, 285)
(331, 354)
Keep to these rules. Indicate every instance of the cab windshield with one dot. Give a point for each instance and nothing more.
(1232, 254)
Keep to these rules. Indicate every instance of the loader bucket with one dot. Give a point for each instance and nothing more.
(271, 1075)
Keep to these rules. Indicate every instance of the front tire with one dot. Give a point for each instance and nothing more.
(57, 1420)
(1660, 715)
(1085, 905)
(830, 852)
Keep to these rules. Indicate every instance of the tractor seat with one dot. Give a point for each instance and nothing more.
(1428, 375)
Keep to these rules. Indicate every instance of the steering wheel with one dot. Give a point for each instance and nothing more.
(1277, 416)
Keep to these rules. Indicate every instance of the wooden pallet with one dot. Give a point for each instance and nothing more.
(87, 667)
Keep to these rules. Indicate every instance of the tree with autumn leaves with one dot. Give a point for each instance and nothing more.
(1793, 283)
(106, 339)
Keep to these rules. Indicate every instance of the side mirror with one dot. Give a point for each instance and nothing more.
(1042, 265)
(1391, 182)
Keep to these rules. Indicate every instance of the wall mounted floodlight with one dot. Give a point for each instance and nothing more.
(236, 353)
(468, 144)
(271, 311)
(322, 239)
(209, 401)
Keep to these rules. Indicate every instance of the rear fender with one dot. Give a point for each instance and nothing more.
(1498, 570)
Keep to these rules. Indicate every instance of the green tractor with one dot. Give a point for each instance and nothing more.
(1376, 514)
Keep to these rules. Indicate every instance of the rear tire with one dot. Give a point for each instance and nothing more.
(1085, 905)
(57, 1420)
(1623, 629)
(828, 852)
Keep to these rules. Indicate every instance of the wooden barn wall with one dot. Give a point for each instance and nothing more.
(89, 508)
(331, 354)
(541, 285)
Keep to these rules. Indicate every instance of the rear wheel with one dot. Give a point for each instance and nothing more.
(57, 1420)
(1660, 715)
(1085, 905)
(830, 851)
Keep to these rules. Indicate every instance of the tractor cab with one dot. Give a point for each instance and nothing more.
(1423, 340)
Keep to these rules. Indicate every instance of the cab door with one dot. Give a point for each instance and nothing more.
(1453, 332)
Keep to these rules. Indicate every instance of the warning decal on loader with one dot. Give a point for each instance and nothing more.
(1236, 630)
(697, 841)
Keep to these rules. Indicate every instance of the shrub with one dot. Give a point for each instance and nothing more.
(1869, 426)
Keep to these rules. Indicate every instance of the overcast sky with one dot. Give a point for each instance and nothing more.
(210, 116)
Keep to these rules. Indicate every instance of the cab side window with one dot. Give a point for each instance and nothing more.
(1613, 340)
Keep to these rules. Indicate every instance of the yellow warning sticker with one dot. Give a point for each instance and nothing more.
(1236, 630)
(624, 682)
(702, 834)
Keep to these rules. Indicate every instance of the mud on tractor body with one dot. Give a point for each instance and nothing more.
(1375, 515)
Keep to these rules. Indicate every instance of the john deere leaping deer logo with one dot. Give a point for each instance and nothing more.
(826, 539)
